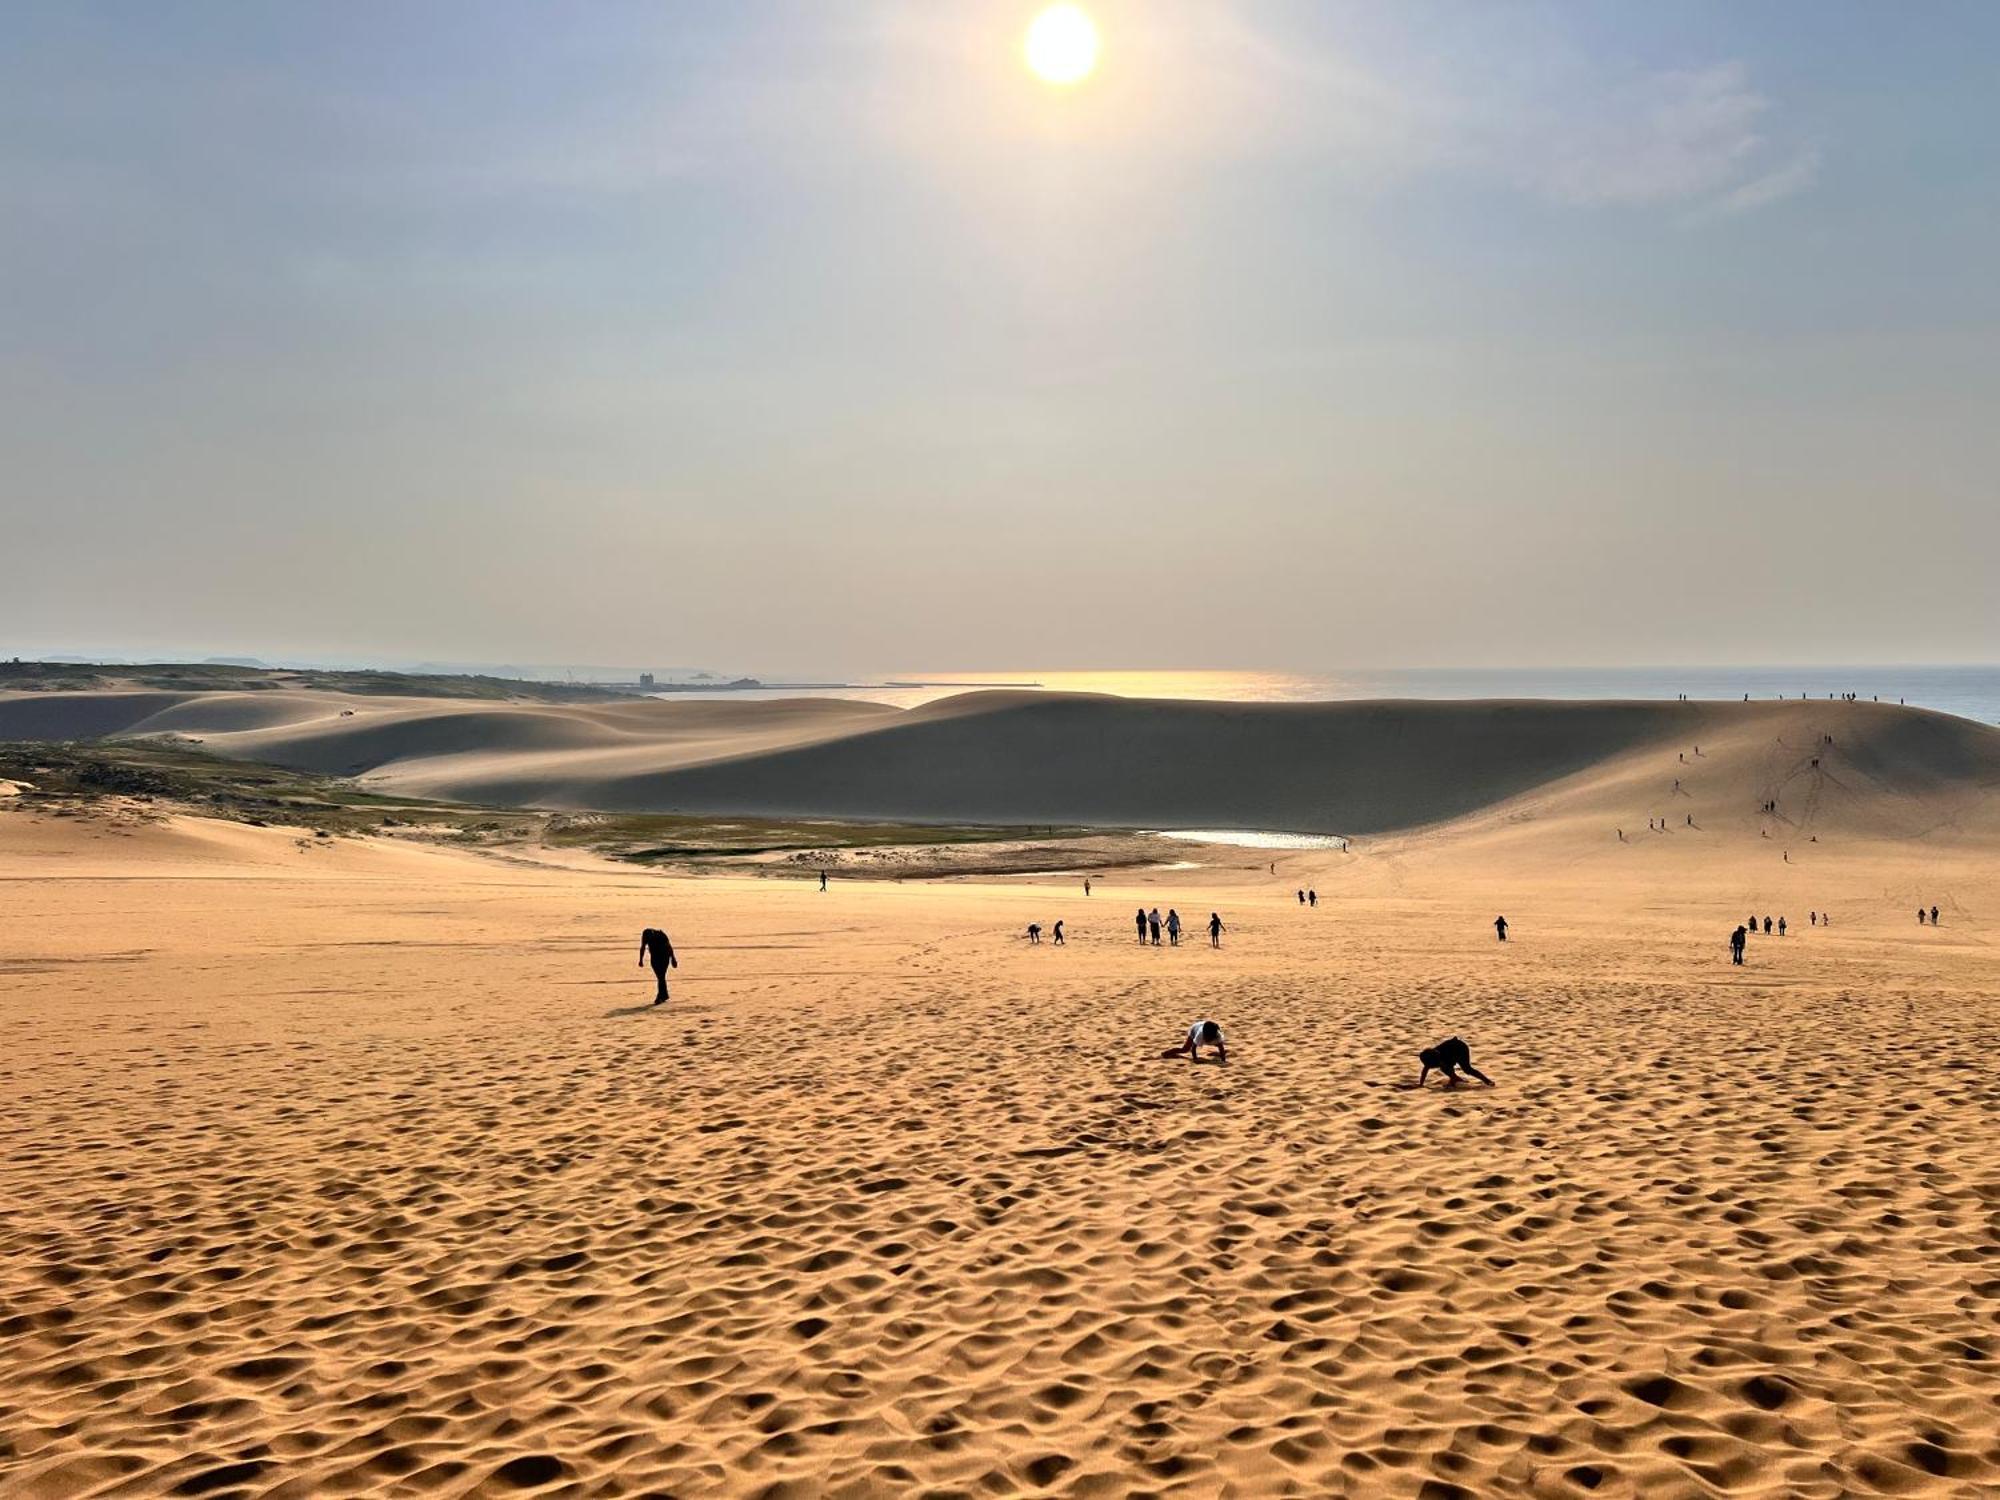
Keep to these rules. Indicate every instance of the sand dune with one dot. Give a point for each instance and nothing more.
(336, 1167)
(1352, 768)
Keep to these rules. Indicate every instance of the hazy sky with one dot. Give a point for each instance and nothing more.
(821, 337)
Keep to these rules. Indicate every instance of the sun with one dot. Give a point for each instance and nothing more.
(1062, 45)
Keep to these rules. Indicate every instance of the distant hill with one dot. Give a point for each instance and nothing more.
(248, 675)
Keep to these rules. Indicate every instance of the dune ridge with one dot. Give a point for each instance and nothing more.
(1039, 758)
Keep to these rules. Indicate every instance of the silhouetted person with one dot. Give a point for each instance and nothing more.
(1812, 919)
(1736, 941)
(1781, 927)
(1140, 921)
(655, 947)
(1920, 916)
(1057, 934)
(1449, 1057)
(1302, 898)
(1173, 928)
(1500, 928)
(1201, 1034)
(822, 880)
(1312, 898)
(1214, 930)
(1933, 916)
(1086, 885)
(1153, 925)
(1034, 932)
(1767, 927)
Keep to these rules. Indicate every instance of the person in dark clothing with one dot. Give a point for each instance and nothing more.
(1058, 933)
(1448, 1057)
(1933, 916)
(1214, 930)
(1736, 941)
(1312, 898)
(1034, 932)
(1767, 927)
(658, 949)
(1302, 898)
(1781, 927)
(1153, 925)
(1500, 927)
(1140, 919)
(822, 880)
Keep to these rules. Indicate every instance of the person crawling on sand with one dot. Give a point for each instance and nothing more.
(1448, 1056)
(1202, 1033)
(658, 947)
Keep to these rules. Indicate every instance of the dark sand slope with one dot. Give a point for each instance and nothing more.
(1020, 758)
(1352, 768)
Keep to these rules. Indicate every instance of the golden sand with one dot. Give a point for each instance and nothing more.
(349, 1168)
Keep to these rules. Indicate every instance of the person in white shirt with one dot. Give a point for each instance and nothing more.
(1201, 1034)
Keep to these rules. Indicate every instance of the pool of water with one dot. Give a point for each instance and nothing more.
(1256, 838)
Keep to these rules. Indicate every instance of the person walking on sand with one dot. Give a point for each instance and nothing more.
(658, 949)
(1781, 927)
(1449, 1057)
(822, 880)
(1086, 885)
(1140, 920)
(1736, 941)
(1302, 898)
(1035, 932)
(1057, 934)
(1153, 925)
(1201, 1034)
(1767, 927)
(1173, 928)
(1812, 919)
(1215, 929)
(1933, 916)
(1312, 898)
(1500, 928)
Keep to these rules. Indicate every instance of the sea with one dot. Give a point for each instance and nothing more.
(1971, 692)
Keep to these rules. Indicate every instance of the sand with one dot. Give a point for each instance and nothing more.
(351, 1167)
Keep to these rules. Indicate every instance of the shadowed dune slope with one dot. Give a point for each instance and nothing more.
(1339, 767)
(1028, 758)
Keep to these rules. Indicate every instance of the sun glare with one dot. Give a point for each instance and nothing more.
(1062, 45)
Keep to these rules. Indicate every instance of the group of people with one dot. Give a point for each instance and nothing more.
(1150, 924)
(1920, 916)
(1309, 898)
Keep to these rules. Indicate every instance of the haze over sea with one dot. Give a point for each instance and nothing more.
(1972, 692)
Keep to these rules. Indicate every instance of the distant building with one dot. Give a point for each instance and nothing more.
(645, 679)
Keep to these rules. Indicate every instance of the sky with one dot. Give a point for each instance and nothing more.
(822, 338)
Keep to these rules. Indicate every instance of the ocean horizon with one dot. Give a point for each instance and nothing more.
(1971, 692)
